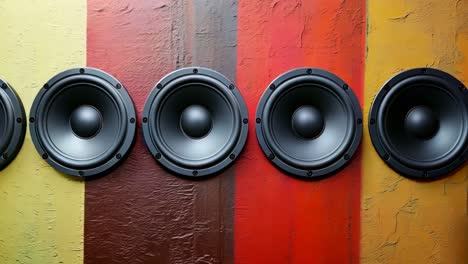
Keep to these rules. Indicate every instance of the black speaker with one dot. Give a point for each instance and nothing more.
(309, 122)
(83, 122)
(13, 124)
(419, 123)
(195, 122)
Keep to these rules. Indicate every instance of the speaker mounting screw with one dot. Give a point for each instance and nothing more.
(461, 87)
(309, 173)
(118, 156)
(195, 173)
(195, 71)
(118, 86)
(81, 173)
(145, 120)
(271, 156)
(386, 156)
(232, 156)
(258, 120)
(272, 86)
(157, 156)
(309, 71)
(359, 121)
(346, 156)
(424, 70)
(372, 121)
(159, 86)
(345, 86)
(424, 173)
(245, 121)
(4, 86)
(19, 120)
(81, 70)
(31, 119)
(46, 86)
(132, 120)
(45, 156)
(231, 86)
(5, 156)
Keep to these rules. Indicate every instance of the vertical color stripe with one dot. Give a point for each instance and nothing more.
(405, 221)
(41, 218)
(141, 213)
(280, 219)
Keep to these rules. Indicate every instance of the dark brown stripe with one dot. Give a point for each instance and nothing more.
(141, 213)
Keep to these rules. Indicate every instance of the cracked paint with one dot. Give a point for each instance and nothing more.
(406, 221)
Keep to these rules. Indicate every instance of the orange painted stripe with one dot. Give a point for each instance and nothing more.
(280, 219)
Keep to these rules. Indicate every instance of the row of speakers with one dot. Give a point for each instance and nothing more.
(195, 122)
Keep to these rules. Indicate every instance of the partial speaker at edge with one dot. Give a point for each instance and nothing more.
(13, 124)
(418, 123)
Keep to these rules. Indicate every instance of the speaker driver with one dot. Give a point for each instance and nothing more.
(13, 124)
(83, 122)
(195, 122)
(419, 123)
(309, 123)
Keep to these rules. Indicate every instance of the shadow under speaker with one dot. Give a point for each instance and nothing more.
(83, 122)
(195, 122)
(419, 123)
(13, 124)
(309, 123)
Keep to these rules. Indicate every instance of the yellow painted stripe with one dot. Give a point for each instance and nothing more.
(41, 211)
(404, 221)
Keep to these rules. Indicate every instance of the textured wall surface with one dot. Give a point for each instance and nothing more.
(252, 212)
(280, 219)
(405, 221)
(141, 213)
(41, 211)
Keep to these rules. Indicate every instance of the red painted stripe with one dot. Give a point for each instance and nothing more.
(279, 219)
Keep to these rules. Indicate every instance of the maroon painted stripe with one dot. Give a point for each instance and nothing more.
(141, 213)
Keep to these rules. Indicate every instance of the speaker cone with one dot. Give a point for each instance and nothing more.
(419, 123)
(83, 122)
(195, 122)
(13, 124)
(309, 123)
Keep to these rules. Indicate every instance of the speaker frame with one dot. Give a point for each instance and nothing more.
(349, 152)
(17, 121)
(455, 87)
(228, 87)
(130, 115)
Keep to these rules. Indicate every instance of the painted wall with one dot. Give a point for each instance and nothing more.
(251, 213)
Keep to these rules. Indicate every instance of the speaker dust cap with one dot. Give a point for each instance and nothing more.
(13, 124)
(419, 123)
(195, 122)
(309, 123)
(83, 122)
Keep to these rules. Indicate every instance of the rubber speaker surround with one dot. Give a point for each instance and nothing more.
(418, 123)
(83, 122)
(195, 122)
(13, 124)
(309, 123)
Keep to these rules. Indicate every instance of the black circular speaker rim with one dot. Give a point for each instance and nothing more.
(97, 80)
(398, 84)
(15, 124)
(175, 82)
(282, 85)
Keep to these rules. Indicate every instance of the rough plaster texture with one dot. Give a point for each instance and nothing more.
(41, 215)
(405, 221)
